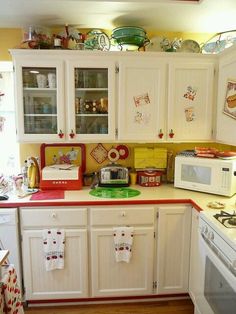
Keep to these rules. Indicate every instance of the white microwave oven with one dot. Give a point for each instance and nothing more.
(210, 175)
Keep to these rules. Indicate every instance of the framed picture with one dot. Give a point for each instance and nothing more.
(230, 99)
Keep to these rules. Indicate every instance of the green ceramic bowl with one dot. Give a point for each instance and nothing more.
(128, 31)
(131, 40)
(129, 35)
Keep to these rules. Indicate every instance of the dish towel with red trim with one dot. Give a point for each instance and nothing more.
(54, 248)
(10, 295)
(123, 240)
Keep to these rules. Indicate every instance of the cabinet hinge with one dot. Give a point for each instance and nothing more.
(154, 234)
(117, 69)
(116, 132)
(157, 214)
(154, 284)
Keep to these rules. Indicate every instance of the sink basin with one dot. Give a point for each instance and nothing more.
(114, 192)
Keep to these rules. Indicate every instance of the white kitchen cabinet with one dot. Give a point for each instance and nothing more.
(90, 102)
(91, 98)
(190, 99)
(165, 98)
(39, 107)
(111, 278)
(173, 248)
(78, 107)
(142, 97)
(70, 282)
(226, 111)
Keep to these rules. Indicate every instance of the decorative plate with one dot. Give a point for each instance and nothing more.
(113, 155)
(220, 42)
(123, 151)
(189, 46)
(104, 42)
(99, 153)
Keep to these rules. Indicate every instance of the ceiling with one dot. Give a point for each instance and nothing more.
(204, 16)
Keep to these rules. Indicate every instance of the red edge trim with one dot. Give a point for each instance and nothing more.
(109, 298)
(96, 203)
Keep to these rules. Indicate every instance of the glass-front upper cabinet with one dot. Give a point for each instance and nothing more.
(40, 101)
(91, 100)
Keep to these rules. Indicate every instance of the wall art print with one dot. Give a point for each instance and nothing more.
(189, 114)
(230, 99)
(190, 93)
(142, 114)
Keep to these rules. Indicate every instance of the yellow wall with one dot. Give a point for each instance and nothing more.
(11, 38)
(27, 150)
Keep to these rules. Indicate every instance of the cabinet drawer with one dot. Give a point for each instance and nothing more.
(122, 216)
(53, 217)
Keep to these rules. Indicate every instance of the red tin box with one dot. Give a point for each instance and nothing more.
(149, 178)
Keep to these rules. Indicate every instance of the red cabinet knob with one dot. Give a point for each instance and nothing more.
(171, 134)
(72, 134)
(61, 134)
(160, 133)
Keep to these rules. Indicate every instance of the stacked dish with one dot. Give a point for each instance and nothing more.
(129, 37)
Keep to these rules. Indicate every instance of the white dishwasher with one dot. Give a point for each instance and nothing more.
(10, 239)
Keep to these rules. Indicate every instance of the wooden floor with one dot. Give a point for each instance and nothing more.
(160, 307)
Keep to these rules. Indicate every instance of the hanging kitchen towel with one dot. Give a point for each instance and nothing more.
(10, 295)
(54, 247)
(123, 240)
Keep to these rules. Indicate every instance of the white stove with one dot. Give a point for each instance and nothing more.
(216, 284)
(218, 228)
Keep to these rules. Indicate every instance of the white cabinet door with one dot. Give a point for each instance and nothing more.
(39, 96)
(173, 248)
(111, 278)
(70, 282)
(226, 111)
(91, 99)
(190, 100)
(141, 109)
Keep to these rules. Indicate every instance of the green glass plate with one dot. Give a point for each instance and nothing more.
(114, 192)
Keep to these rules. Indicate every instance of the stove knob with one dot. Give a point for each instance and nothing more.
(204, 230)
(211, 235)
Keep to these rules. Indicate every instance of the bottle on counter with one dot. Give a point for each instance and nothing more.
(25, 173)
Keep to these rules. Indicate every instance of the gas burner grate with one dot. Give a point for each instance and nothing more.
(226, 219)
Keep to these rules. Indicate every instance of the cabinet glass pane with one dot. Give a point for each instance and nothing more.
(91, 100)
(39, 100)
(40, 124)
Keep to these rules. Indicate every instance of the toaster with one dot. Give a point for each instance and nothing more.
(113, 175)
